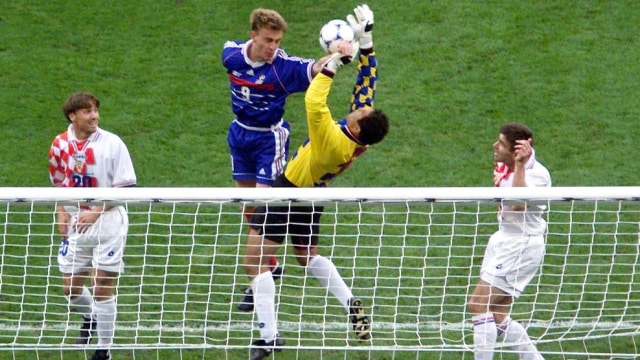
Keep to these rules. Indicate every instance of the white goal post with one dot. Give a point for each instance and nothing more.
(411, 254)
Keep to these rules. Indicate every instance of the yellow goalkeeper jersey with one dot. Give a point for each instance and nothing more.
(330, 148)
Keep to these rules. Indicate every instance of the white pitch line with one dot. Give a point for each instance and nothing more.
(175, 327)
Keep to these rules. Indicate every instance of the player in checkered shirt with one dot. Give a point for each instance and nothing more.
(93, 237)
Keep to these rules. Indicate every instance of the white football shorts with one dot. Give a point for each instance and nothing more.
(101, 247)
(511, 261)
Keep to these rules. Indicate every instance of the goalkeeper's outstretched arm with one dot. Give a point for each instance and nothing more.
(364, 90)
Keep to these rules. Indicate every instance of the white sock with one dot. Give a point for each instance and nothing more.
(82, 304)
(484, 336)
(327, 273)
(515, 334)
(264, 302)
(106, 312)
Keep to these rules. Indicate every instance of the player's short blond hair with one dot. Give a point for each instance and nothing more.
(266, 18)
(79, 100)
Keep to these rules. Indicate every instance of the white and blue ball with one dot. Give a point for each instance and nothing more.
(333, 32)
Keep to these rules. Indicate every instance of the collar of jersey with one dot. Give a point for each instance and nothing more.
(72, 134)
(255, 64)
(347, 132)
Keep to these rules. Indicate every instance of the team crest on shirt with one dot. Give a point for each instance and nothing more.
(260, 79)
(81, 167)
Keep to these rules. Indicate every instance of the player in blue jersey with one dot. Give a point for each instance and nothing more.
(329, 150)
(261, 77)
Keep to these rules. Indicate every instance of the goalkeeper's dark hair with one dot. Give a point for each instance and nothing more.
(266, 18)
(373, 127)
(79, 100)
(515, 131)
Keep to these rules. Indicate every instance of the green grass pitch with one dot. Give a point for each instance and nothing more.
(451, 72)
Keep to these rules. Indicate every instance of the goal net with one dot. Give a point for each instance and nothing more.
(411, 254)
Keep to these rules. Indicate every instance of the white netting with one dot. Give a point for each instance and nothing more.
(412, 255)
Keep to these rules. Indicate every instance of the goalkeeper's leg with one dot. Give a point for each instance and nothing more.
(327, 274)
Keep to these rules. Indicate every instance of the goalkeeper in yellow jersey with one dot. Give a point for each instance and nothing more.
(329, 150)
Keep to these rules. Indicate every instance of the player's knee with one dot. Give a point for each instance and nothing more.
(477, 305)
(102, 293)
(475, 309)
(72, 287)
(251, 270)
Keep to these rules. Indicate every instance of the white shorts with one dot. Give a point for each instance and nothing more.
(101, 247)
(511, 261)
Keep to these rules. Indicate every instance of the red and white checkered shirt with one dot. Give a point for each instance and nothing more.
(102, 160)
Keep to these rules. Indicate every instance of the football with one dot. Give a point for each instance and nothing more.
(333, 32)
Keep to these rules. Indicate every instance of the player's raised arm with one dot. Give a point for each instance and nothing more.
(362, 25)
(364, 90)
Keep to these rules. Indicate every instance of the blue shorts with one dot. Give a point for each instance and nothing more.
(258, 154)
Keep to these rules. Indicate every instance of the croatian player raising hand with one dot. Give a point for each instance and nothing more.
(514, 253)
(93, 237)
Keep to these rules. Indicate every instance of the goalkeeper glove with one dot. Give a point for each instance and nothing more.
(362, 24)
(336, 61)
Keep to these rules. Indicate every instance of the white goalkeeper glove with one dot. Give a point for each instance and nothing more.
(362, 24)
(345, 53)
(336, 61)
